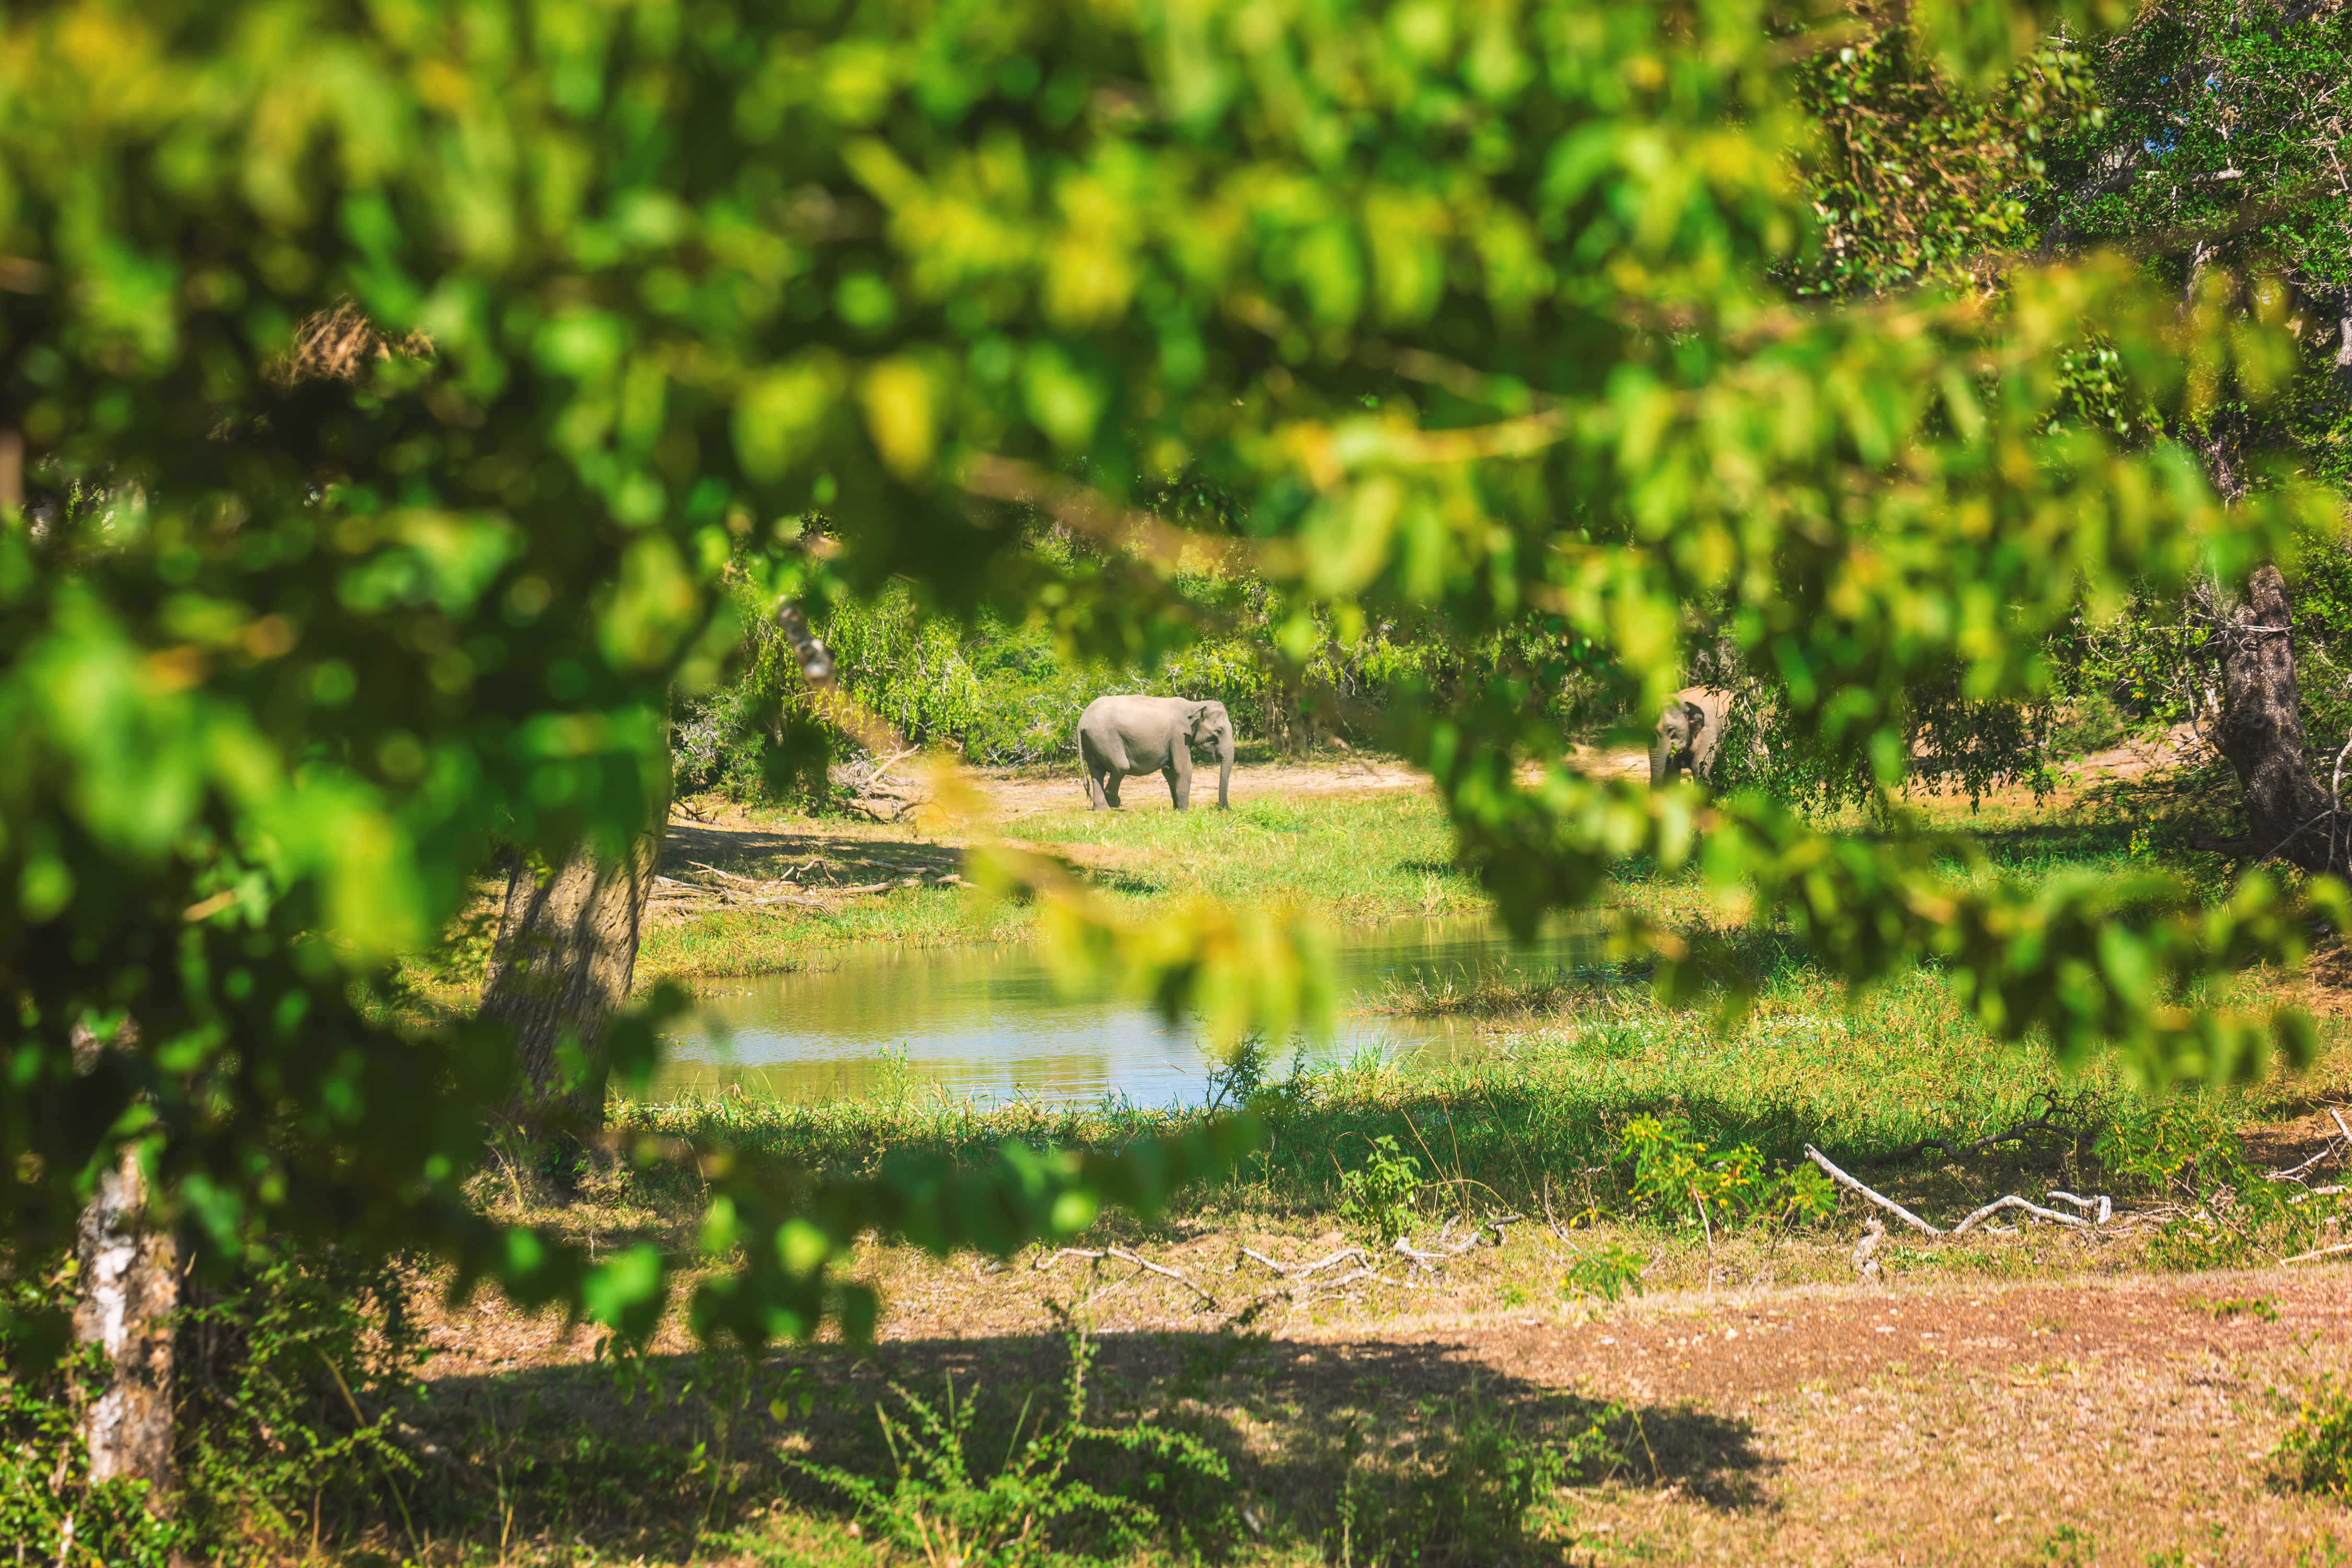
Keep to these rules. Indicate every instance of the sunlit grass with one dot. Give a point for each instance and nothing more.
(1350, 858)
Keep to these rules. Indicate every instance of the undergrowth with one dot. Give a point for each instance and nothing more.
(287, 1367)
(1031, 1508)
(2316, 1454)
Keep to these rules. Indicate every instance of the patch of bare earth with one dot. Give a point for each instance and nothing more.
(1955, 1423)
(1919, 1422)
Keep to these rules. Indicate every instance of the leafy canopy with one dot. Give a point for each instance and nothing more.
(1471, 306)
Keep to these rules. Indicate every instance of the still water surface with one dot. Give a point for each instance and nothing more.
(988, 1021)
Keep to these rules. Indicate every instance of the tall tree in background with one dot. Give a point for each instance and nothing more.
(2222, 155)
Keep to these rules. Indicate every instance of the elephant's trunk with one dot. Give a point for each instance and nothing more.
(1662, 767)
(1224, 769)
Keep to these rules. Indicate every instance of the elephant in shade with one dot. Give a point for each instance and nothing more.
(1120, 736)
(1689, 731)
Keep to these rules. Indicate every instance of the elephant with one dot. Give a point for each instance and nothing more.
(1689, 731)
(1121, 737)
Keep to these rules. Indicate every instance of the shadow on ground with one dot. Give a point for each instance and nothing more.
(1409, 1452)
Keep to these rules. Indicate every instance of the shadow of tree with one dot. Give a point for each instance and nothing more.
(1421, 1446)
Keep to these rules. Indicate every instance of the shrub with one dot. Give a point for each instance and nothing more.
(1377, 1197)
(939, 1509)
(1676, 1171)
(2316, 1452)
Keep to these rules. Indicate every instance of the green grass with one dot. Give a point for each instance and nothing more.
(1350, 858)
(1549, 1099)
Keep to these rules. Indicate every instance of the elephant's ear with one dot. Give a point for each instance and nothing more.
(1698, 716)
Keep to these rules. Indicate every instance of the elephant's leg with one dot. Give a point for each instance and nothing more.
(1093, 790)
(1179, 786)
(1111, 777)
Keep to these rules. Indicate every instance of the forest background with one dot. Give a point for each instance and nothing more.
(2207, 134)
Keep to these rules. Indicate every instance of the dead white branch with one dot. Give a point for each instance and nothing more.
(1443, 1249)
(1865, 1251)
(1308, 1272)
(1124, 1256)
(2013, 1202)
(2105, 1207)
(2103, 1204)
(1881, 1199)
(2336, 1251)
(2328, 1150)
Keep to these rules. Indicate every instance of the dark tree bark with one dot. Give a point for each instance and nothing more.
(2291, 812)
(565, 958)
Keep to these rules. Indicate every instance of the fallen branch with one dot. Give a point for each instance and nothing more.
(1881, 1199)
(2326, 1150)
(2013, 1202)
(1124, 1256)
(731, 877)
(1366, 1273)
(1308, 1271)
(2103, 1204)
(1440, 1250)
(2337, 1251)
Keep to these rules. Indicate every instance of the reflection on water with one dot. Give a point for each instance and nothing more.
(989, 1021)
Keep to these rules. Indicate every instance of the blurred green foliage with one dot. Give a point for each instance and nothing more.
(389, 393)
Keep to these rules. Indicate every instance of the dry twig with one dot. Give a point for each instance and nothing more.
(1307, 1271)
(1124, 1256)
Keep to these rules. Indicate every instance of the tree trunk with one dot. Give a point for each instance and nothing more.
(129, 1289)
(565, 955)
(2291, 813)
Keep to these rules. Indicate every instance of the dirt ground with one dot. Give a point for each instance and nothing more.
(2124, 1420)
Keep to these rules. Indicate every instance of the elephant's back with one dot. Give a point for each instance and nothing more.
(1712, 701)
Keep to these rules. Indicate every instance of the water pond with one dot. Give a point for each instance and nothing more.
(988, 1021)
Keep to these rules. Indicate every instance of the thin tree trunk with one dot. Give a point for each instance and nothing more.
(2292, 814)
(129, 1289)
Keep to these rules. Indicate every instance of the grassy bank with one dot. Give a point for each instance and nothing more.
(1546, 1097)
(1352, 858)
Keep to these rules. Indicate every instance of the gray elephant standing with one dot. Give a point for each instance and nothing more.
(1120, 736)
(1689, 731)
